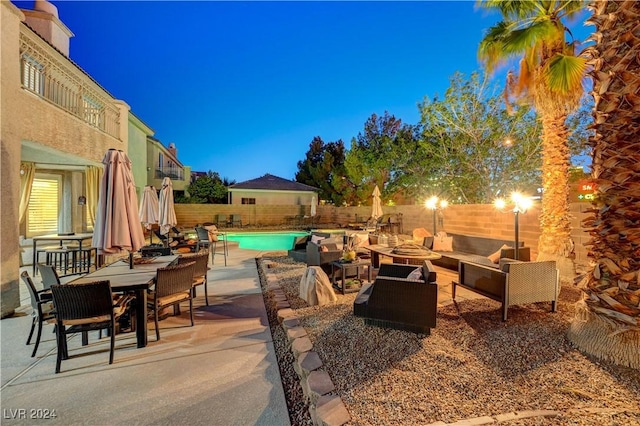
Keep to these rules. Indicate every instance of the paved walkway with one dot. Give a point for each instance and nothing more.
(222, 371)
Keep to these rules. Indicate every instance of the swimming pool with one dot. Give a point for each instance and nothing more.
(265, 240)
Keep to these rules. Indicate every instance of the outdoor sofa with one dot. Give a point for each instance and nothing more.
(402, 297)
(470, 248)
(514, 283)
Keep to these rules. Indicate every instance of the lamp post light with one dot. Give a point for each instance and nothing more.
(520, 205)
(434, 203)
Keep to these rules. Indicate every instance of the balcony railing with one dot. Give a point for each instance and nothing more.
(51, 76)
(170, 172)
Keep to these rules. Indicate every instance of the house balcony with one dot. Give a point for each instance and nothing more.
(51, 76)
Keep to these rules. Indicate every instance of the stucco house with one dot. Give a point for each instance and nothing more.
(57, 124)
(272, 190)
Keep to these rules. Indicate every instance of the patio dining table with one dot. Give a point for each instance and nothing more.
(139, 280)
(79, 238)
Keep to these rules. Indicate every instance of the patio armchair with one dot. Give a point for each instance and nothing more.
(173, 286)
(323, 252)
(199, 272)
(221, 220)
(515, 283)
(42, 310)
(402, 297)
(83, 308)
(236, 220)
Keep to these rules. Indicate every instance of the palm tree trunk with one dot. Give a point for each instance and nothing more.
(607, 323)
(555, 241)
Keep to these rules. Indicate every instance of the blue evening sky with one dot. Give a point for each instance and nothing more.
(242, 88)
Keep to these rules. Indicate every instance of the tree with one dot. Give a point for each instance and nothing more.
(550, 79)
(608, 319)
(472, 150)
(209, 189)
(322, 166)
(371, 159)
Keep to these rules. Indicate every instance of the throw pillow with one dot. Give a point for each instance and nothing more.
(416, 274)
(443, 244)
(324, 248)
(495, 257)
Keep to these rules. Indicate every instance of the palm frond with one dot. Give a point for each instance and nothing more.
(512, 9)
(522, 40)
(565, 74)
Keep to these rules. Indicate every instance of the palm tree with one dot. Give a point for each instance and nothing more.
(550, 79)
(608, 320)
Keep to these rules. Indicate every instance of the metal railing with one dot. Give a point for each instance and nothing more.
(52, 77)
(171, 172)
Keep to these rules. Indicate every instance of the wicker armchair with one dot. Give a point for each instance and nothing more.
(42, 309)
(516, 283)
(199, 272)
(173, 286)
(82, 308)
(396, 301)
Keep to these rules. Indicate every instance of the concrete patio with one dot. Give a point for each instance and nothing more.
(222, 371)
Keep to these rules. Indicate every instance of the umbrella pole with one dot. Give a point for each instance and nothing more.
(130, 260)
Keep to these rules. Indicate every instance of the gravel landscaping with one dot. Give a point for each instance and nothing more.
(472, 365)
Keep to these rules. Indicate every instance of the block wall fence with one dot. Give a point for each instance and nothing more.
(471, 219)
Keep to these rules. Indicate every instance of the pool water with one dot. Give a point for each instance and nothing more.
(265, 240)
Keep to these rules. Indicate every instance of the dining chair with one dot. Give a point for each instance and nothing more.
(204, 241)
(199, 272)
(42, 310)
(173, 286)
(82, 308)
(48, 275)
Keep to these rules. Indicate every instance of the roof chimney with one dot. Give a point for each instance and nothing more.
(173, 150)
(43, 19)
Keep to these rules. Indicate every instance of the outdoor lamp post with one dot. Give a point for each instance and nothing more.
(520, 205)
(434, 203)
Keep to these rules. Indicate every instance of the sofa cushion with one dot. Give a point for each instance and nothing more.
(443, 244)
(495, 256)
(416, 274)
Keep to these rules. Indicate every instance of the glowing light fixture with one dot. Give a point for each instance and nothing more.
(435, 204)
(520, 204)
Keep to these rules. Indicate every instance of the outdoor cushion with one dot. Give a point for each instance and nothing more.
(495, 256)
(443, 244)
(416, 274)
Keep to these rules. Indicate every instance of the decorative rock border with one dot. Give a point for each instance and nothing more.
(325, 407)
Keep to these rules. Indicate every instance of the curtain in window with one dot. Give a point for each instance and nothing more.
(27, 173)
(93, 176)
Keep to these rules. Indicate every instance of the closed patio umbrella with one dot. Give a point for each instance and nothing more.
(149, 208)
(167, 218)
(117, 224)
(313, 211)
(376, 204)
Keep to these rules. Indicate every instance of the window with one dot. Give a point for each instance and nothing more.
(44, 204)
(248, 201)
(32, 75)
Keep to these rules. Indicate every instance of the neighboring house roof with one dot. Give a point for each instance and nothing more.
(273, 183)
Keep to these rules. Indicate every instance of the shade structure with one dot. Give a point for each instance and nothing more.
(149, 208)
(313, 207)
(117, 226)
(167, 218)
(376, 204)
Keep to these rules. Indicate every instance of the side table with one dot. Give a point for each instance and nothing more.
(359, 265)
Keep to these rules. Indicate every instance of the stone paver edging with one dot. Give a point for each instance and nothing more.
(325, 407)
